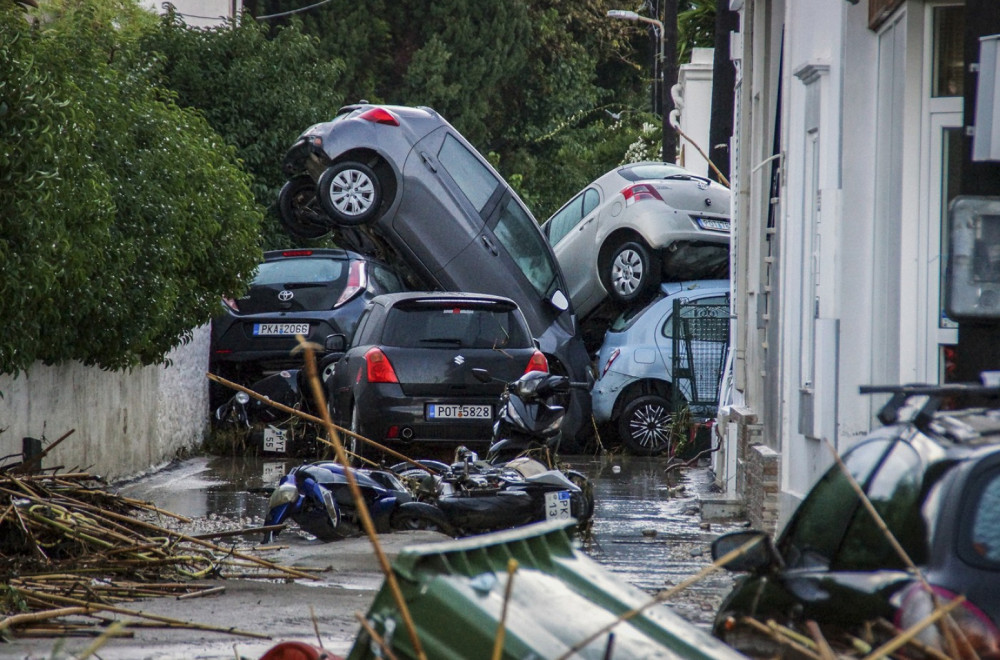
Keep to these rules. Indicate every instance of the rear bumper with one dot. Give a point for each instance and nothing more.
(388, 415)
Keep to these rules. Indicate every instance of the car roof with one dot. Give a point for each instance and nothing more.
(393, 299)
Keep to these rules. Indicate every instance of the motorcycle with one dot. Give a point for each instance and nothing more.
(477, 496)
(317, 496)
(511, 487)
(530, 414)
(267, 429)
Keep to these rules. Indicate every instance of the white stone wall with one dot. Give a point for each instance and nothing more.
(124, 423)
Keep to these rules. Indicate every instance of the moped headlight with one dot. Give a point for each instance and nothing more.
(242, 398)
(286, 493)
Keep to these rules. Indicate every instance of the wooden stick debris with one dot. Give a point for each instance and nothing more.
(502, 625)
(359, 502)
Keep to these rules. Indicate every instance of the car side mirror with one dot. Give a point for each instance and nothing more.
(559, 300)
(335, 343)
(758, 552)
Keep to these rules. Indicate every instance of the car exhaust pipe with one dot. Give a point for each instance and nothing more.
(406, 433)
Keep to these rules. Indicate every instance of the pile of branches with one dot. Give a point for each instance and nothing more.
(69, 547)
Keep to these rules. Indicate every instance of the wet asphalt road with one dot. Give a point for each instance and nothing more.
(647, 525)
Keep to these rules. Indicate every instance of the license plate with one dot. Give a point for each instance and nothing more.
(557, 505)
(272, 471)
(275, 329)
(274, 439)
(458, 411)
(713, 224)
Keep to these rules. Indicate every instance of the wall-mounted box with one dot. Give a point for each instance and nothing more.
(972, 279)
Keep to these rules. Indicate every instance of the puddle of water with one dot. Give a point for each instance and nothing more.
(646, 527)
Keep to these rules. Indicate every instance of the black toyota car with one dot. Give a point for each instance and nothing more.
(933, 477)
(402, 183)
(310, 292)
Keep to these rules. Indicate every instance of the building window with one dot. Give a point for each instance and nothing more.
(948, 76)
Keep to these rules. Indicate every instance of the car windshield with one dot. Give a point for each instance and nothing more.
(291, 271)
(520, 236)
(651, 171)
(451, 326)
(832, 530)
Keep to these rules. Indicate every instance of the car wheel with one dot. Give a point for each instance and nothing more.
(298, 211)
(350, 192)
(646, 424)
(632, 272)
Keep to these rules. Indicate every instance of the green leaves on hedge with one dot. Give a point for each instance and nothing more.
(123, 217)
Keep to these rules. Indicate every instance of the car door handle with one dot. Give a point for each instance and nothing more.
(586, 222)
(424, 156)
(488, 244)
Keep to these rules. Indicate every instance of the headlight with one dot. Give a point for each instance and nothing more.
(286, 493)
(242, 398)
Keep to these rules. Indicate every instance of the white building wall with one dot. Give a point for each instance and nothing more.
(199, 13)
(123, 422)
(695, 103)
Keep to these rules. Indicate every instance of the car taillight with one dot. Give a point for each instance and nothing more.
(537, 363)
(638, 192)
(614, 356)
(379, 116)
(975, 629)
(379, 368)
(297, 253)
(357, 281)
(231, 304)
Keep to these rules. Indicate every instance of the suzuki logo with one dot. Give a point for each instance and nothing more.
(459, 360)
(285, 295)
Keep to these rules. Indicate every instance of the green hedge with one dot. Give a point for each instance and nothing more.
(123, 217)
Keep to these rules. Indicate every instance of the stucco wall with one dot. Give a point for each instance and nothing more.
(124, 422)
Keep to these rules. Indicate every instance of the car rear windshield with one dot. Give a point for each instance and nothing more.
(451, 326)
(651, 171)
(304, 269)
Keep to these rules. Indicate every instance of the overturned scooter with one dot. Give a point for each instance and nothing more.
(318, 498)
(511, 487)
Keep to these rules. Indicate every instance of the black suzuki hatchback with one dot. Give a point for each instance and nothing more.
(407, 376)
(933, 477)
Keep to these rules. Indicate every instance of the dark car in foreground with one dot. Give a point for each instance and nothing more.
(308, 292)
(935, 482)
(407, 375)
(403, 184)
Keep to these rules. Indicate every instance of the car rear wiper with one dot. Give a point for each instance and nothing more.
(688, 177)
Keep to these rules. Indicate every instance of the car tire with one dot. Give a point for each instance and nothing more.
(646, 425)
(350, 193)
(631, 273)
(298, 211)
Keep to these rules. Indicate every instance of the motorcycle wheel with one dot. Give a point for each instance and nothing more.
(410, 519)
(297, 208)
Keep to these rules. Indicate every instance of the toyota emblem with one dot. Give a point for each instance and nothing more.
(285, 295)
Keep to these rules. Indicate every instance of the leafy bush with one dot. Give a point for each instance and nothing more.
(124, 216)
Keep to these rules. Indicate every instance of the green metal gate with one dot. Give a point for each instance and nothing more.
(700, 342)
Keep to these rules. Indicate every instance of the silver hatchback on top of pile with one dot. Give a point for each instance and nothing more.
(636, 226)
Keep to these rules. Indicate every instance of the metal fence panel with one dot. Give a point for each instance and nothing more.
(700, 341)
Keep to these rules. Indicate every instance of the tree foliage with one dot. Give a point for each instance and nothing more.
(124, 216)
(258, 92)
